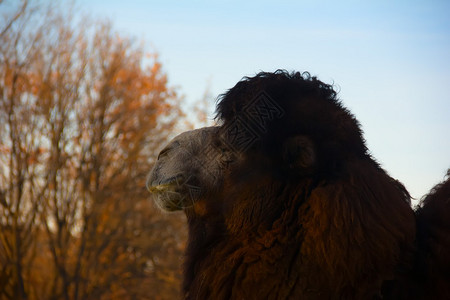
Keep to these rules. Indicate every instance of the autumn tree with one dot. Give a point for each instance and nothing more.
(83, 110)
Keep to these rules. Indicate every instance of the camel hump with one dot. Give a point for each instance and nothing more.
(433, 239)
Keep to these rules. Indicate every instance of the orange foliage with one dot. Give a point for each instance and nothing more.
(81, 115)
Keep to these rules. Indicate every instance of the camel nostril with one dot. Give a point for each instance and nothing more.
(168, 148)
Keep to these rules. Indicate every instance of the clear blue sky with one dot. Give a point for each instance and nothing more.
(390, 59)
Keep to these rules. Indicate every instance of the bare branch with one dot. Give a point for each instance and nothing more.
(15, 17)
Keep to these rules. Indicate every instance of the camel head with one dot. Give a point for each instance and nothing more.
(189, 167)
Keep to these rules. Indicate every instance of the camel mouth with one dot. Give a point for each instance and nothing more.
(174, 193)
(161, 188)
(170, 184)
(169, 194)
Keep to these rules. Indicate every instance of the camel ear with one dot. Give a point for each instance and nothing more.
(299, 154)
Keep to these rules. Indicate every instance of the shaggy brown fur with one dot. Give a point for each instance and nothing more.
(298, 209)
(432, 272)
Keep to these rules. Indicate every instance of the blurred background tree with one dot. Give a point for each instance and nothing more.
(83, 112)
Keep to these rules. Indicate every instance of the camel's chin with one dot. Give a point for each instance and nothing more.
(168, 206)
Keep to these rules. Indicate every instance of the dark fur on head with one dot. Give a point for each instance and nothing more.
(311, 108)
